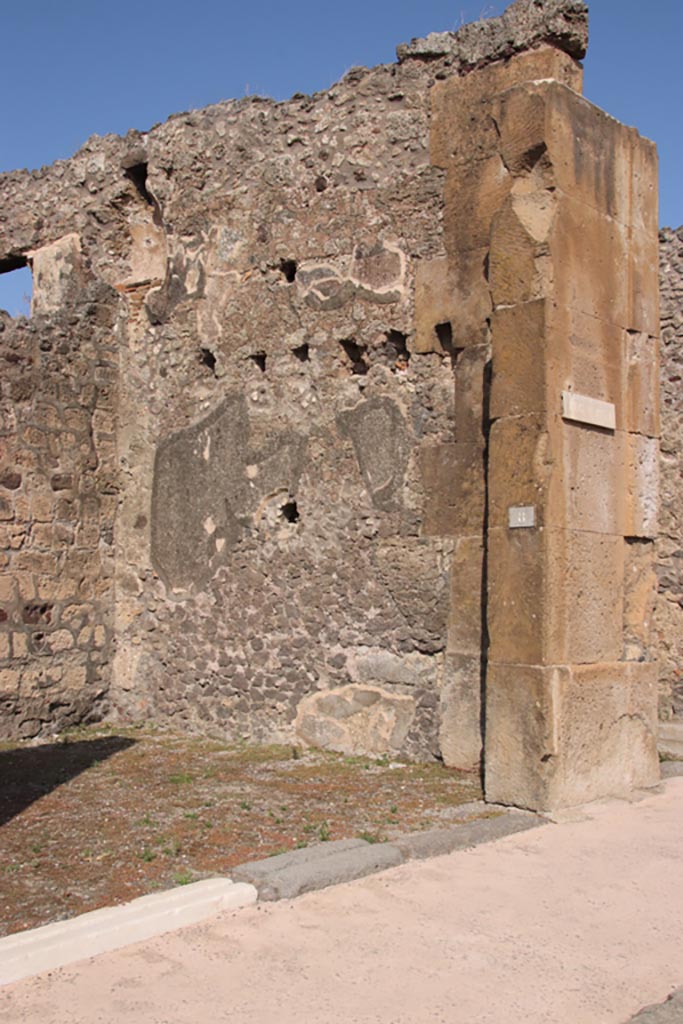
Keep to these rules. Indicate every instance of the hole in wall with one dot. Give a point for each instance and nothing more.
(137, 174)
(444, 333)
(260, 359)
(208, 359)
(301, 352)
(16, 287)
(288, 268)
(356, 354)
(37, 614)
(290, 511)
(396, 349)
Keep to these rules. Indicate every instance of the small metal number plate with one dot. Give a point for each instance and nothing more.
(521, 515)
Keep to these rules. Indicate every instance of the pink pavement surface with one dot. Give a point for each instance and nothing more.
(575, 923)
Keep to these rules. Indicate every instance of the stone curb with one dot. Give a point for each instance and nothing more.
(438, 842)
(291, 874)
(101, 931)
(668, 1012)
(281, 877)
(670, 739)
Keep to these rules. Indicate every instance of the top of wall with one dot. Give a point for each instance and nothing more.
(525, 24)
(89, 193)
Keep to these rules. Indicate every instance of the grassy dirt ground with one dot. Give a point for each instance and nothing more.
(101, 816)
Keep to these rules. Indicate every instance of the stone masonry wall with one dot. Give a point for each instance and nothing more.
(57, 504)
(669, 611)
(274, 321)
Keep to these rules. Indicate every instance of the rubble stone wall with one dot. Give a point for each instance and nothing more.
(57, 506)
(669, 611)
(252, 473)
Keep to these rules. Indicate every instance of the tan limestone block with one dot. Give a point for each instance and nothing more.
(641, 505)
(521, 739)
(644, 187)
(640, 384)
(561, 736)
(4, 646)
(574, 475)
(517, 272)
(462, 128)
(520, 466)
(643, 282)
(454, 489)
(589, 487)
(460, 735)
(464, 634)
(57, 272)
(473, 193)
(554, 596)
(608, 731)
(453, 293)
(516, 584)
(586, 152)
(589, 252)
(640, 595)
(548, 245)
(472, 372)
(540, 350)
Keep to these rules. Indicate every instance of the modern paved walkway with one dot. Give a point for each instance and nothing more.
(573, 923)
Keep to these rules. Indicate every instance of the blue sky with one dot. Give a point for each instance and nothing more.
(73, 68)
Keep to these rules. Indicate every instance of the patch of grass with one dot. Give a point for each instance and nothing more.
(183, 877)
(324, 831)
(245, 805)
(148, 855)
(371, 837)
(180, 778)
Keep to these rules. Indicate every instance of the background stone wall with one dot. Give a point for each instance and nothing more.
(57, 506)
(669, 612)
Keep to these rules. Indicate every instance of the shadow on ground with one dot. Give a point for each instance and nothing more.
(28, 773)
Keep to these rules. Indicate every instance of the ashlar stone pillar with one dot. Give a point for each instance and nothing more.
(548, 298)
(571, 692)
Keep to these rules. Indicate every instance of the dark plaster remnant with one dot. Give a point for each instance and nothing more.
(204, 496)
(381, 442)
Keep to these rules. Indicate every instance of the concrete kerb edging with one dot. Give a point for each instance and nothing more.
(281, 877)
(102, 931)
